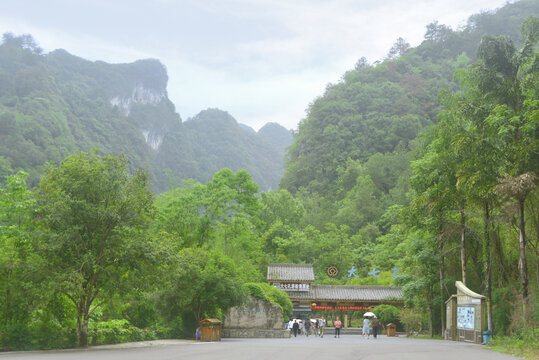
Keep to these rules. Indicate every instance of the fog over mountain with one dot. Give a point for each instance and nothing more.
(56, 103)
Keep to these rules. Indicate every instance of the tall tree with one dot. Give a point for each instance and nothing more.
(507, 78)
(16, 285)
(92, 212)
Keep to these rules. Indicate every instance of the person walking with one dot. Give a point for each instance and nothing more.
(322, 326)
(289, 325)
(317, 327)
(366, 327)
(338, 325)
(307, 327)
(375, 327)
(295, 328)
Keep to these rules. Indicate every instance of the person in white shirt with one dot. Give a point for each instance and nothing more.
(322, 326)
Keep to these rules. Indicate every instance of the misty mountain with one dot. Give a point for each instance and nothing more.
(219, 141)
(54, 104)
(277, 135)
(352, 151)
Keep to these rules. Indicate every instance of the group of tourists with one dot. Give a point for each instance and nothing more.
(376, 325)
(317, 326)
(310, 326)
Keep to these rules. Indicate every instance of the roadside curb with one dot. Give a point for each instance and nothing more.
(129, 345)
(139, 344)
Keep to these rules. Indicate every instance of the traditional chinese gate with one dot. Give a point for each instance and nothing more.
(298, 281)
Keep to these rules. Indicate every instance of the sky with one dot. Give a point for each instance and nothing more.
(260, 60)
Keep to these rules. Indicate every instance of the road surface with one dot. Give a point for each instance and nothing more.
(301, 348)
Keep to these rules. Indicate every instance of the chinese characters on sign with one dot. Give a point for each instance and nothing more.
(291, 286)
(374, 272)
(317, 307)
(352, 271)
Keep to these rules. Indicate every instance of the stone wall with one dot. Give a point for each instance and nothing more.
(255, 319)
(255, 333)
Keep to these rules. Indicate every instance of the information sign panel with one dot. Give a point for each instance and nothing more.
(466, 317)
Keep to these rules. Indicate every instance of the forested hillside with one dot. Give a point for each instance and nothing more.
(54, 104)
(416, 171)
(219, 142)
(353, 148)
(461, 108)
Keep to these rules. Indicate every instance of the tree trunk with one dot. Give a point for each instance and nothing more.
(442, 303)
(7, 306)
(83, 316)
(486, 255)
(83, 340)
(79, 326)
(431, 320)
(463, 245)
(522, 263)
(537, 265)
(498, 250)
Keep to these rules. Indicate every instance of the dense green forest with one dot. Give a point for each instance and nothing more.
(54, 104)
(426, 162)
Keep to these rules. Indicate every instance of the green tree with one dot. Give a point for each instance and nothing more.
(204, 283)
(280, 206)
(93, 214)
(16, 204)
(504, 78)
(420, 265)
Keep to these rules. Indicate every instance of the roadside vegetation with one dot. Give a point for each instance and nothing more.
(417, 171)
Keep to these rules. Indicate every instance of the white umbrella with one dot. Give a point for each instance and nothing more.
(369, 314)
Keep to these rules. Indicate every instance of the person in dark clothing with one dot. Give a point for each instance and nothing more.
(295, 328)
(307, 327)
(376, 326)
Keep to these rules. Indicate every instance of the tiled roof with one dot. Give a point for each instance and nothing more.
(348, 293)
(290, 272)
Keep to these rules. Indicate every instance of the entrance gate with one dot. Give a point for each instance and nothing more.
(298, 282)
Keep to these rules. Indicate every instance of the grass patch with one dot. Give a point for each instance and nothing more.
(524, 346)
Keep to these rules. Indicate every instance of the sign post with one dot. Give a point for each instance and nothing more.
(466, 315)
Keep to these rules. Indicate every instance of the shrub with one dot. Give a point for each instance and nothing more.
(275, 296)
(118, 331)
(387, 313)
(256, 290)
(412, 321)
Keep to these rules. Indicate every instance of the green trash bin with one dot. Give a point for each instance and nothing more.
(487, 336)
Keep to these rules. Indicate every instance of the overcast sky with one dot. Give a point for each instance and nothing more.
(260, 60)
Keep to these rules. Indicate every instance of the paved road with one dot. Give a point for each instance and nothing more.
(346, 347)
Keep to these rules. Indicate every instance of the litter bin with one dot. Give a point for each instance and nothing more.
(210, 330)
(391, 329)
(487, 336)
